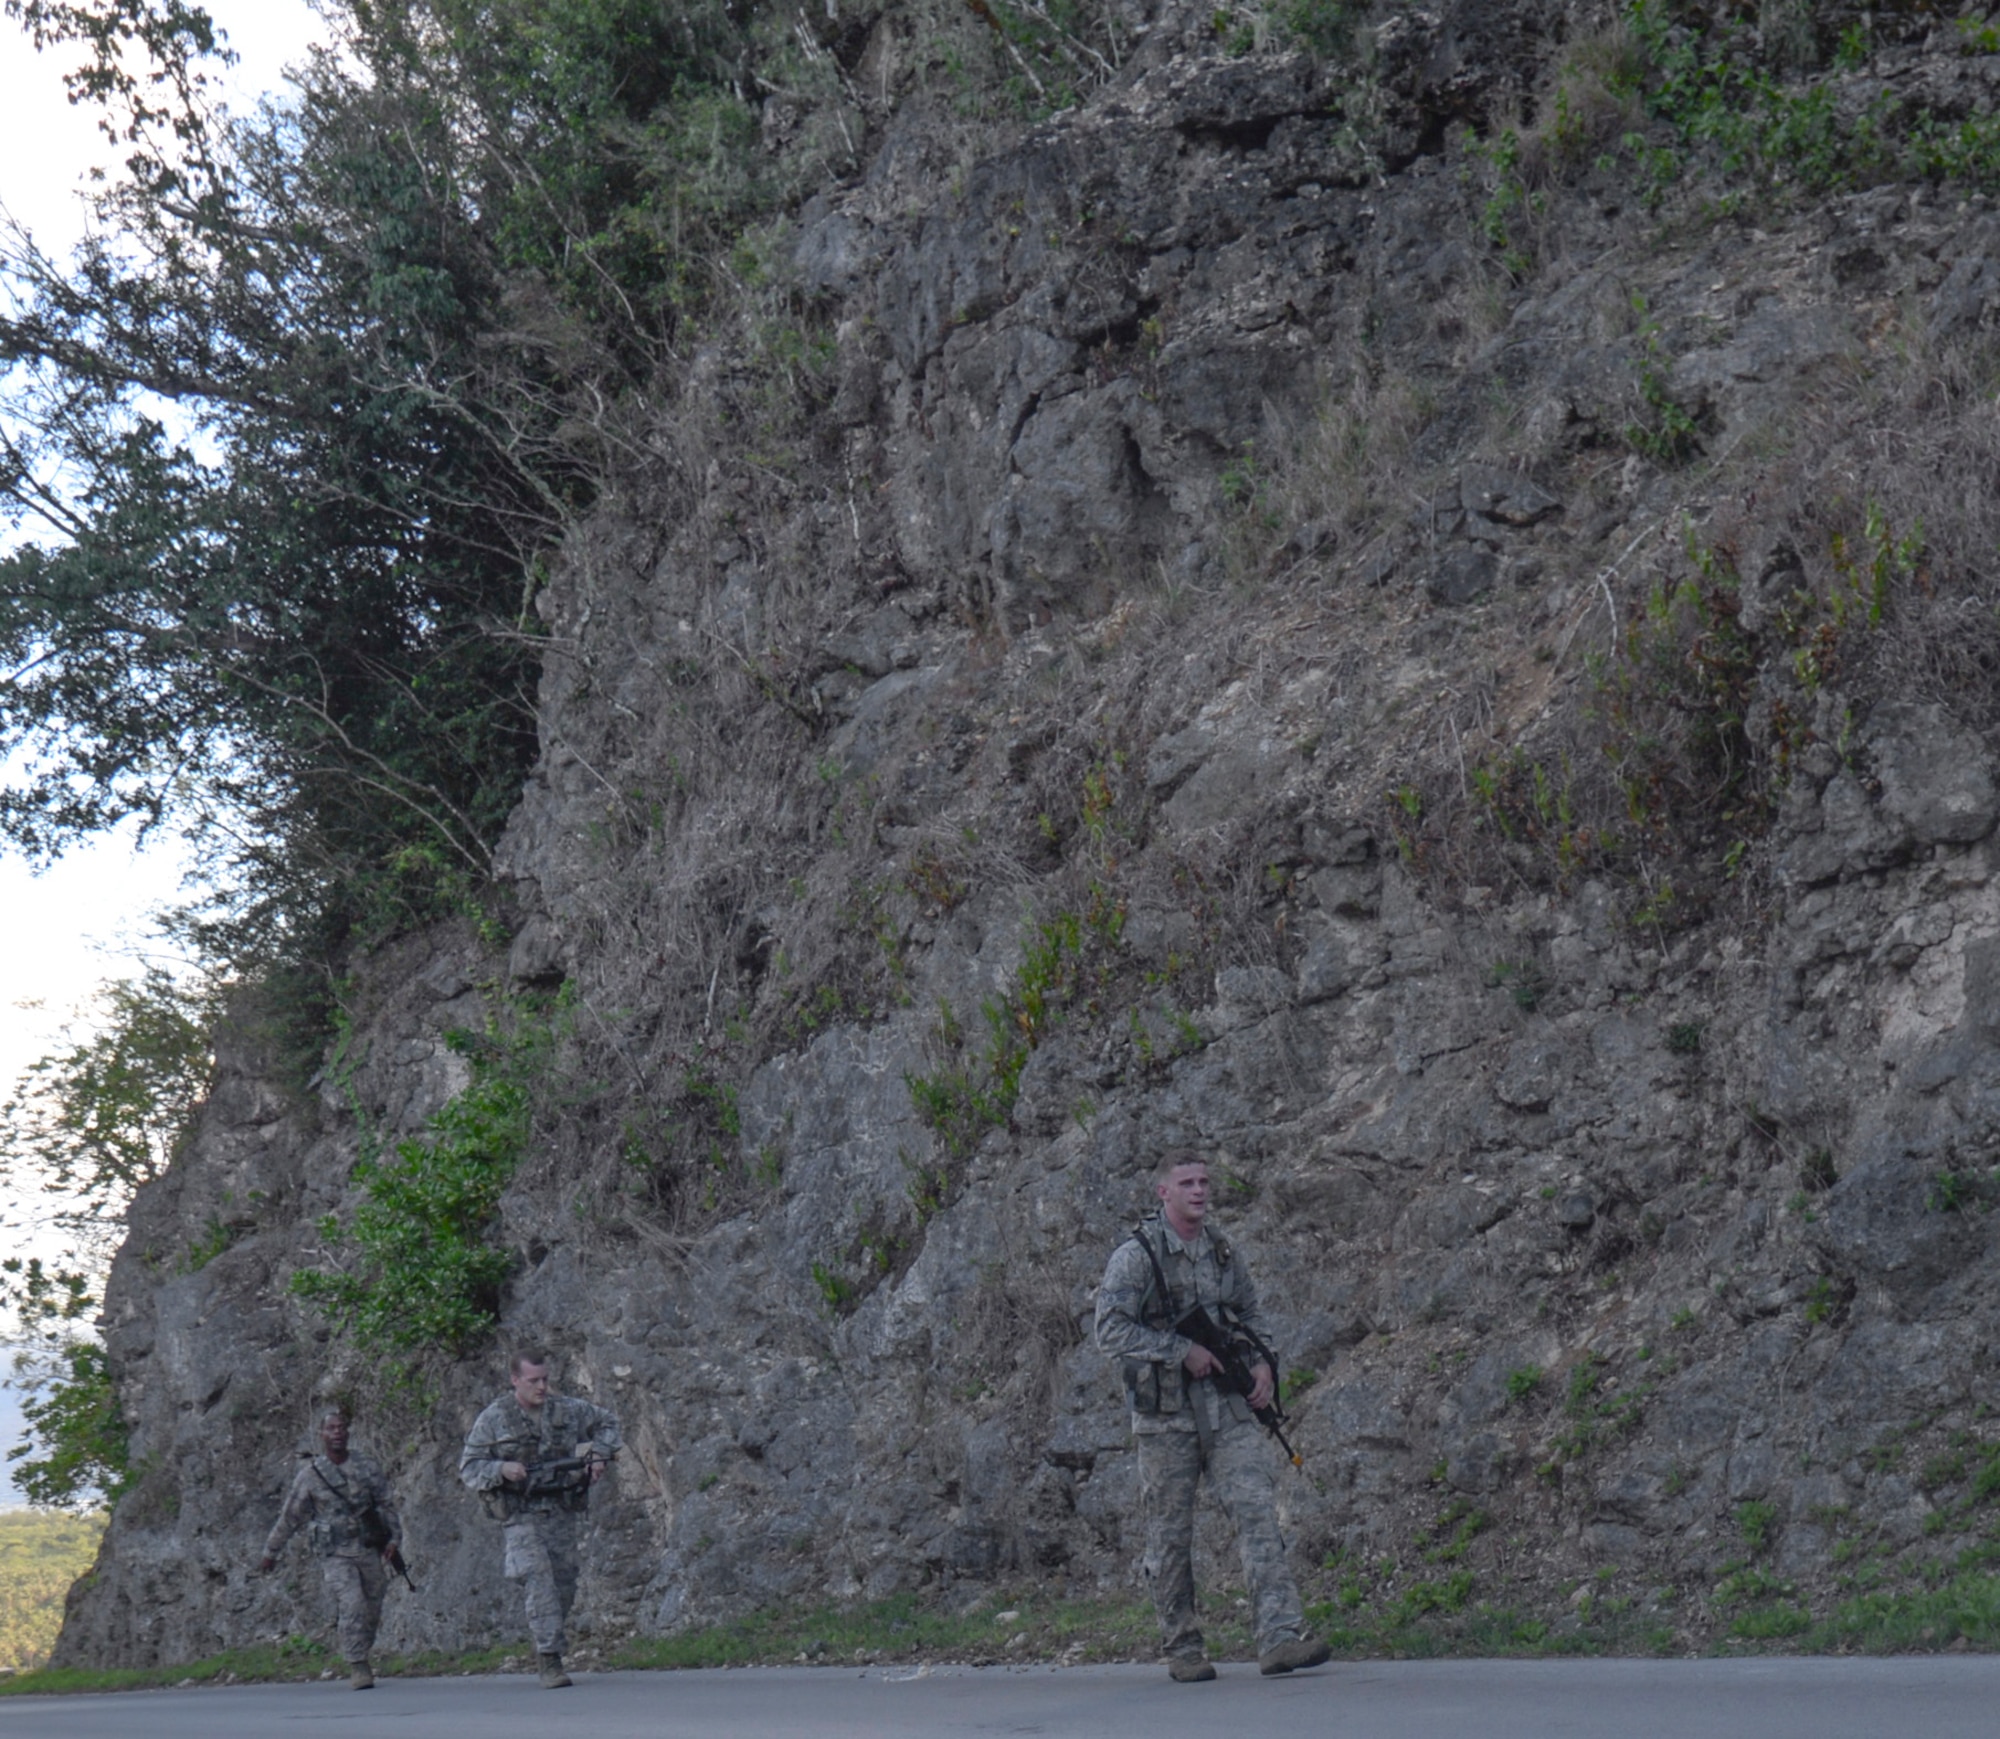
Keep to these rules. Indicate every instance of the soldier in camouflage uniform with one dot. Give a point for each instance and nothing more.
(1186, 1425)
(338, 1497)
(539, 1528)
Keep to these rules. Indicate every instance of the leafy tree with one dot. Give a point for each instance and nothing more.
(395, 320)
(75, 1455)
(90, 1124)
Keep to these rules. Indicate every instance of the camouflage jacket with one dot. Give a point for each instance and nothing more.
(1134, 1323)
(507, 1431)
(326, 1499)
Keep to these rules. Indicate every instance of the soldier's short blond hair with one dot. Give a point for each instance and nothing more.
(1173, 1159)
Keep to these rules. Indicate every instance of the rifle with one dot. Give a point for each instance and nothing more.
(566, 1473)
(394, 1560)
(1231, 1346)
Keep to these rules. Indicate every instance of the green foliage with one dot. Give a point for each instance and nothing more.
(75, 1454)
(107, 1113)
(90, 1124)
(424, 1274)
(1951, 1192)
(1326, 27)
(402, 319)
(1523, 980)
(1522, 1382)
(1596, 1415)
(1672, 705)
(1532, 805)
(1704, 80)
(1755, 1521)
(1668, 433)
(1509, 207)
(1454, 1531)
(40, 1556)
(1241, 482)
(1774, 1622)
(835, 1290)
(1684, 1038)
(1448, 1594)
(1064, 959)
(1583, 1380)
(1297, 1382)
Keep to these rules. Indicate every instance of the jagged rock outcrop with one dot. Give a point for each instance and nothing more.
(1608, 1216)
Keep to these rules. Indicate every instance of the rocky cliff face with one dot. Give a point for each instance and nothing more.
(1405, 663)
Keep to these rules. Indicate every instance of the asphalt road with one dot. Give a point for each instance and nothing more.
(1931, 1698)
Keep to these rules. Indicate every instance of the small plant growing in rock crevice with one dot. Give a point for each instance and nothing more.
(1756, 1521)
(1523, 980)
(1684, 1038)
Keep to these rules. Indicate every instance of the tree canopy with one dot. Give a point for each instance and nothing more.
(296, 428)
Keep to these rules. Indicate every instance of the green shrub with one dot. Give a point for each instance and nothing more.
(425, 1273)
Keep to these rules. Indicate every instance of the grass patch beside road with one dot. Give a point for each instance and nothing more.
(1025, 1625)
(295, 1660)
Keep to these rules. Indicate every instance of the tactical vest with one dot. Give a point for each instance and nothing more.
(549, 1439)
(1151, 1385)
(340, 1521)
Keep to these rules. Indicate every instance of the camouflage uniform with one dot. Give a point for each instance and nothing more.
(1185, 1428)
(326, 1499)
(539, 1534)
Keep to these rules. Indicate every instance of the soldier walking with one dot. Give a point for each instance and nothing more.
(1186, 1426)
(510, 1459)
(342, 1501)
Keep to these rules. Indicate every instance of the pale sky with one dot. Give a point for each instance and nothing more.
(84, 921)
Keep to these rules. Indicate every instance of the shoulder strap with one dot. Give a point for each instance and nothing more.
(1167, 1299)
(339, 1491)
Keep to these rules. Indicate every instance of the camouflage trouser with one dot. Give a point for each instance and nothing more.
(1238, 1465)
(541, 1556)
(357, 1585)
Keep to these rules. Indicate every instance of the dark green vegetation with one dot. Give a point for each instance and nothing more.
(421, 1272)
(40, 1556)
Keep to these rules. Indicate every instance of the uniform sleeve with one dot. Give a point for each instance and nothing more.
(479, 1461)
(1121, 1300)
(599, 1426)
(298, 1511)
(1241, 1292)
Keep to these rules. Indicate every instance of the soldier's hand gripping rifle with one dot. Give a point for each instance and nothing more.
(1233, 1347)
(563, 1473)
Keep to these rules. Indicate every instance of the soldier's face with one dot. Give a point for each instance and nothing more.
(1184, 1193)
(531, 1385)
(333, 1434)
